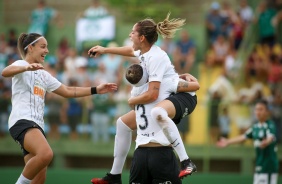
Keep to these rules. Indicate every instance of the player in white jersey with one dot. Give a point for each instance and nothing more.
(30, 82)
(158, 65)
(150, 132)
(150, 140)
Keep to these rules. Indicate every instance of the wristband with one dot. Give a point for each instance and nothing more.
(93, 90)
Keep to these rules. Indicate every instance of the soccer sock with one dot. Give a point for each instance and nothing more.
(170, 131)
(23, 180)
(122, 145)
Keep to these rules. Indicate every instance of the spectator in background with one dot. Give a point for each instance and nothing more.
(219, 52)
(245, 12)
(113, 65)
(5, 102)
(72, 112)
(100, 118)
(121, 98)
(71, 62)
(3, 52)
(261, 66)
(237, 33)
(41, 17)
(277, 23)
(82, 76)
(275, 107)
(213, 116)
(185, 52)
(54, 114)
(214, 22)
(224, 123)
(53, 104)
(62, 50)
(12, 39)
(169, 46)
(266, 28)
(95, 10)
(3, 43)
(229, 16)
(275, 72)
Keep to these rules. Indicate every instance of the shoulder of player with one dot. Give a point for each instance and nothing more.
(20, 63)
(157, 53)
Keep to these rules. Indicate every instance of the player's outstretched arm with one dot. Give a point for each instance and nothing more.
(75, 92)
(223, 142)
(123, 51)
(12, 70)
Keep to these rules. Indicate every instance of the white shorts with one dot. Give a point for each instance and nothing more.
(265, 178)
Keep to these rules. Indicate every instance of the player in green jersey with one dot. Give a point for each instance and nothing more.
(263, 135)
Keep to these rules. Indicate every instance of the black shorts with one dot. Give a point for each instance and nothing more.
(154, 165)
(19, 129)
(184, 104)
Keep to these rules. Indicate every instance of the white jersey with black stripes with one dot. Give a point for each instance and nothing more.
(28, 94)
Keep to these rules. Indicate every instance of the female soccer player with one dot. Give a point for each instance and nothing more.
(150, 141)
(263, 135)
(158, 65)
(29, 84)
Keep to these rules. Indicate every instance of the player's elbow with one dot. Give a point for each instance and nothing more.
(197, 86)
(64, 91)
(5, 73)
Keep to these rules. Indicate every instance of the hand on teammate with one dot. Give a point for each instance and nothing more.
(34, 66)
(131, 105)
(188, 77)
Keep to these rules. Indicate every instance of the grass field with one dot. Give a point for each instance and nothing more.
(83, 176)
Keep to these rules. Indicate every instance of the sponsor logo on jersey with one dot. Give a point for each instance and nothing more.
(37, 90)
(153, 75)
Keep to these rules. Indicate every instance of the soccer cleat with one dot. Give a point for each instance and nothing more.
(108, 179)
(187, 168)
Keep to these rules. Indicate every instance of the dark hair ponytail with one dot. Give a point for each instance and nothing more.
(24, 40)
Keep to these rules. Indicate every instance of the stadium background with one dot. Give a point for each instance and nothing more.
(77, 161)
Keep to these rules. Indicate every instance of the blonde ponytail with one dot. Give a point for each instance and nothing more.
(167, 28)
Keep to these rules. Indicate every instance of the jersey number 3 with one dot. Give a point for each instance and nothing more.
(143, 116)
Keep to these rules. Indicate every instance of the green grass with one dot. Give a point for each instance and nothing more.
(83, 176)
